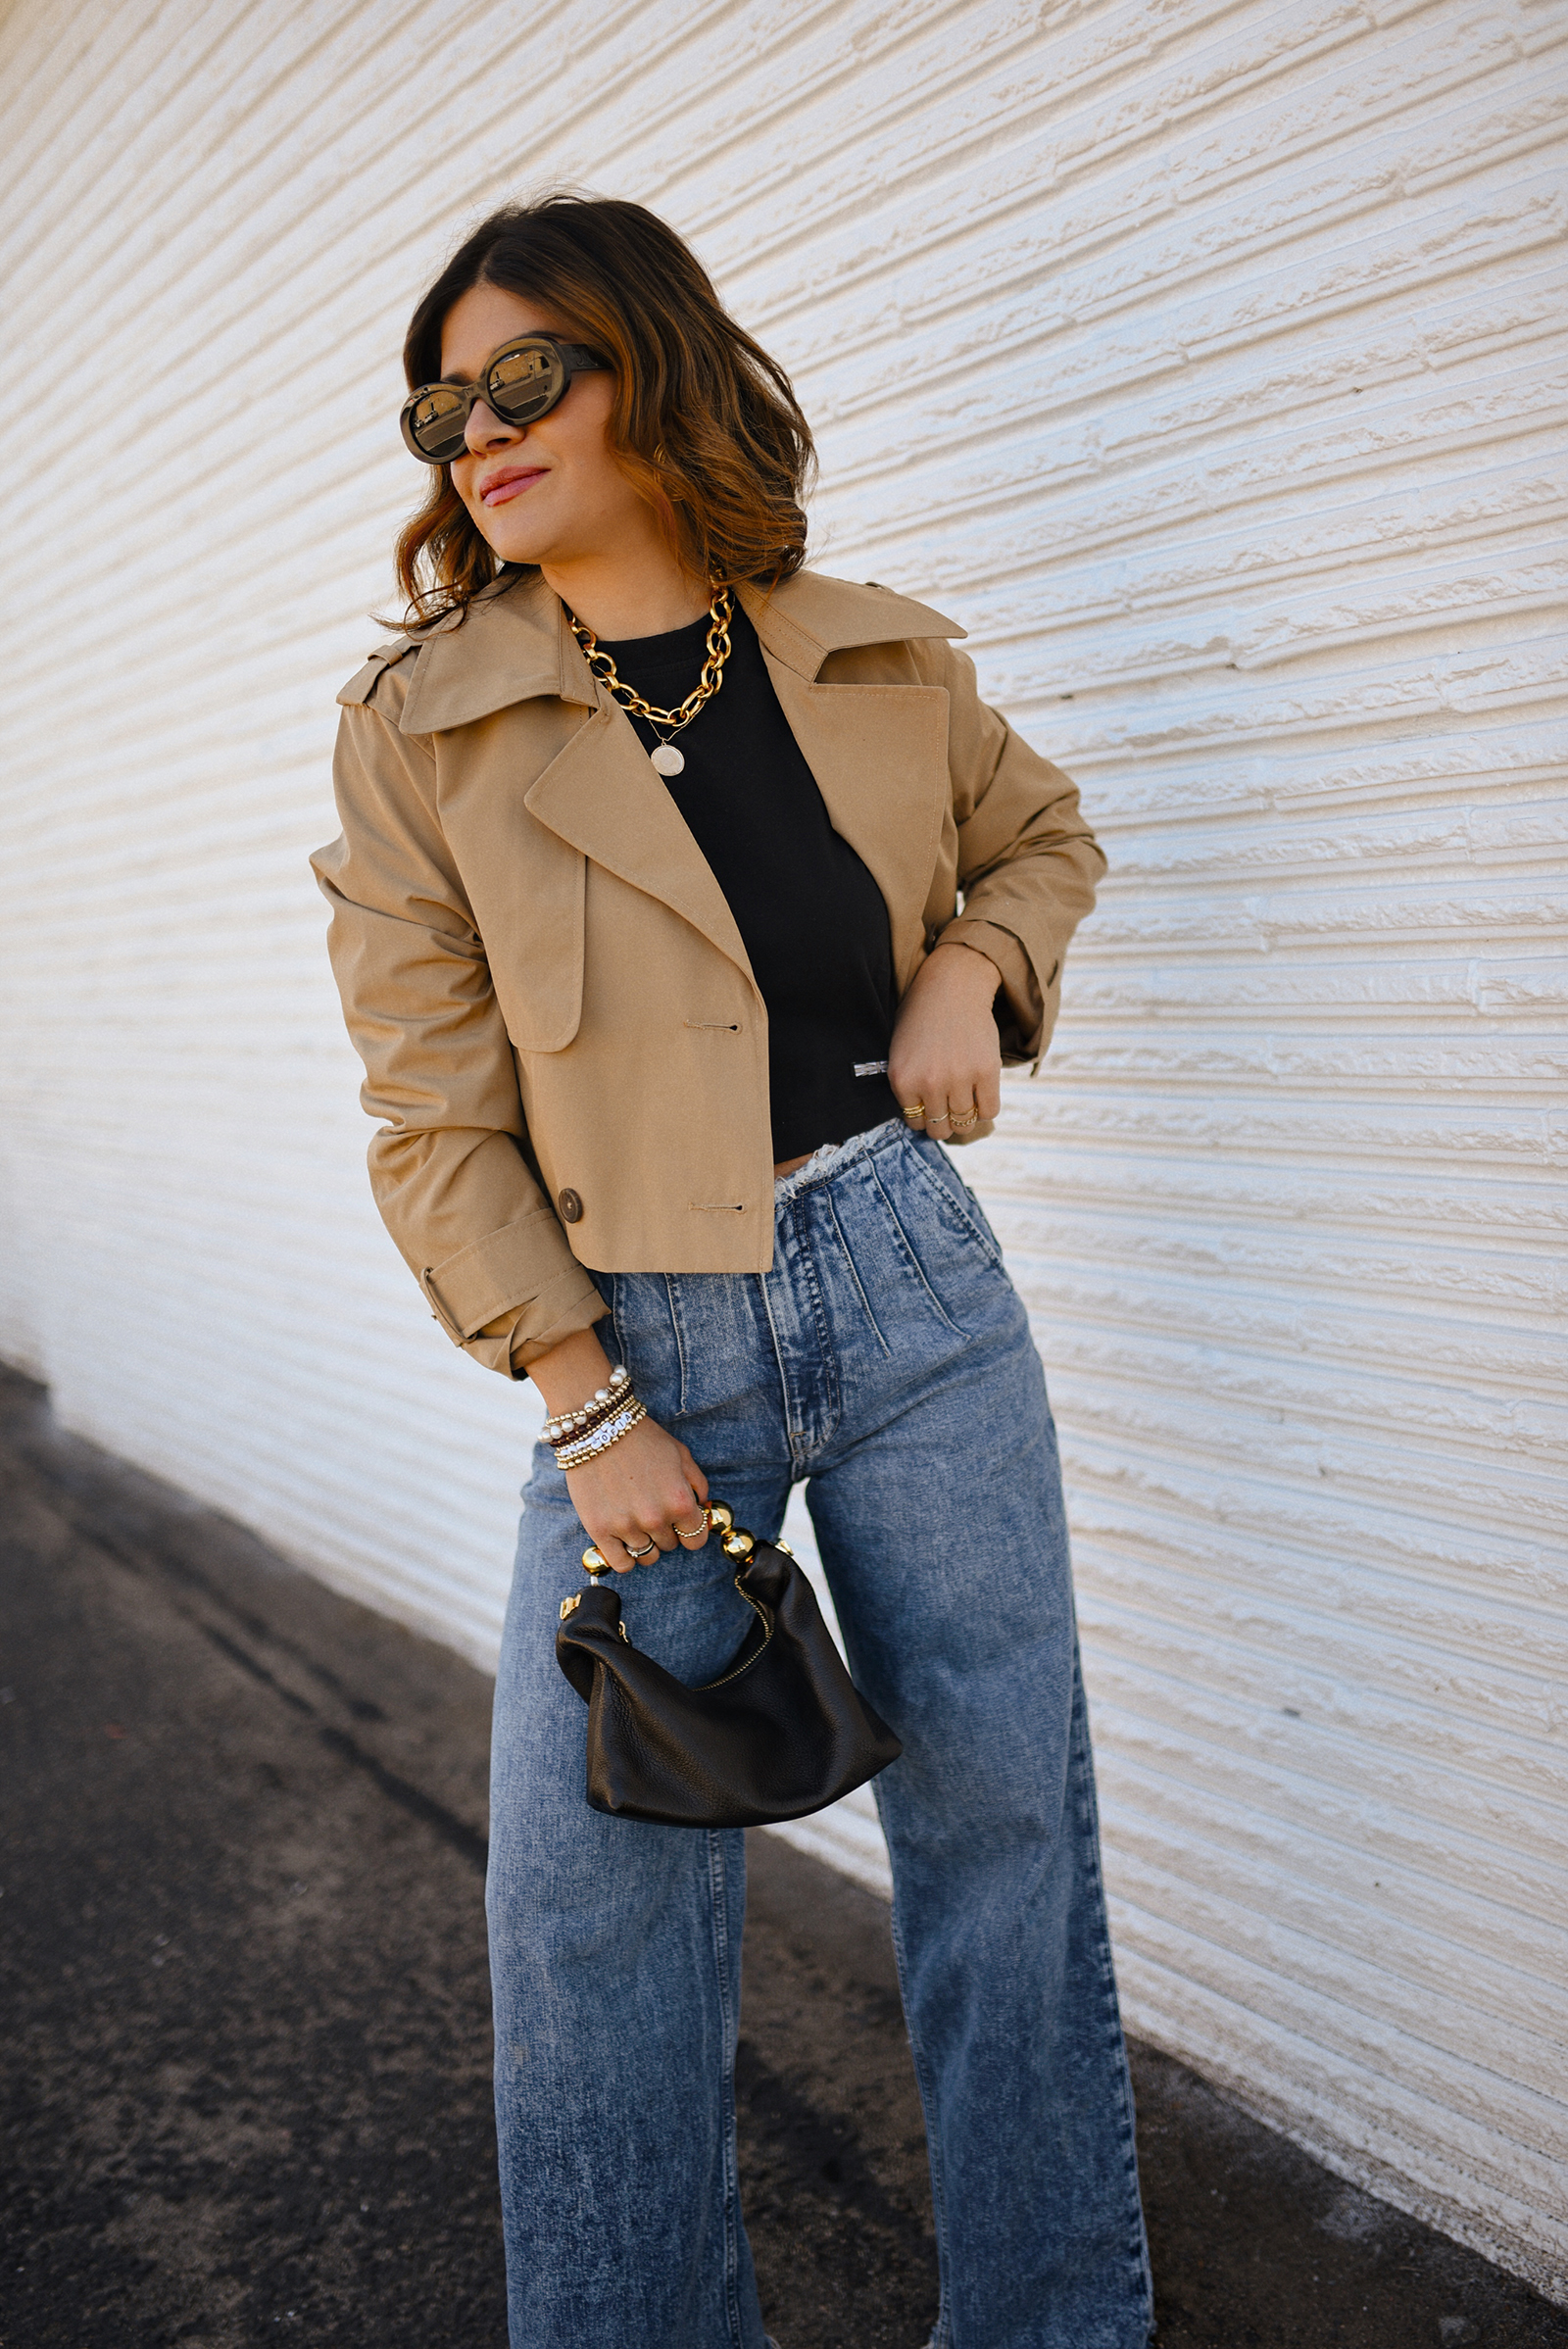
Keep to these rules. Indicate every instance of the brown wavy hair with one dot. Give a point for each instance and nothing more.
(704, 423)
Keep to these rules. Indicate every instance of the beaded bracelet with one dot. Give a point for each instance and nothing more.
(600, 1439)
(567, 1425)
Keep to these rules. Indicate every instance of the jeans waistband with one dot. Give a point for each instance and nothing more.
(826, 1162)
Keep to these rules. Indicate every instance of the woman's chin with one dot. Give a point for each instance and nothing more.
(518, 546)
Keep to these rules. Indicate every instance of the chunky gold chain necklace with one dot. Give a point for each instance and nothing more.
(666, 758)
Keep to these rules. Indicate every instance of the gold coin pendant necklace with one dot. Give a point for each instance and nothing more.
(667, 723)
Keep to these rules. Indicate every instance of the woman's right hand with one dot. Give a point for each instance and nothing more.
(642, 1487)
(645, 1488)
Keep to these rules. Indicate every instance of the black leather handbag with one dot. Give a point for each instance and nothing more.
(780, 1734)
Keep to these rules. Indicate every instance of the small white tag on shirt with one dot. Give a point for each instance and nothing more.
(871, 1068)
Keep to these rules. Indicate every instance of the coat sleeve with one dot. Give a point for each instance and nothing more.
(1027, 861)
(449, 1168)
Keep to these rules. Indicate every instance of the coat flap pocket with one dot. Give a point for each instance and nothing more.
(529, 911)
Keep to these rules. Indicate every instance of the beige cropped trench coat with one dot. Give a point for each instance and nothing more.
(558, 1019)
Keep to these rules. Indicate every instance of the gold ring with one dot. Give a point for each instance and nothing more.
(639, 1553)
(914, 1109)
(939, 1117)
(700, 1527)
(962, 1125)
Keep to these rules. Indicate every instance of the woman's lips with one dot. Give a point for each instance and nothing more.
(511, 484)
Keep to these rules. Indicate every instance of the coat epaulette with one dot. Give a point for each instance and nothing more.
(363, 684)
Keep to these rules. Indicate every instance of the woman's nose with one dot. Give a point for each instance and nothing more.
(487, 430)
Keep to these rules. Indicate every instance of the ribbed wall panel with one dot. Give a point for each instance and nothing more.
(1206, 358)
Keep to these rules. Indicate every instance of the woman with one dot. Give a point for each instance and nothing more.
(645, 919)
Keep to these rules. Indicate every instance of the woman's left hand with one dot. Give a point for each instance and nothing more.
(946, 1054)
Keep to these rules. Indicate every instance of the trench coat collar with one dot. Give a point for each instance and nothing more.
(516, 644)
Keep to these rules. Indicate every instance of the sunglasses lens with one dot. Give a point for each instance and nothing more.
(524, 381)
(437, 422)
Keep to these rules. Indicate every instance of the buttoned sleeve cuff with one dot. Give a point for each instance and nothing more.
(514, 1342)
(510, 1296)
(1021, 1014)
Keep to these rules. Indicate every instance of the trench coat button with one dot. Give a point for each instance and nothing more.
(570, 1206)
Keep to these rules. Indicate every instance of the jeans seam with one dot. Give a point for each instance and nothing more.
(778, 1356)
(916, 1266)
(827, 1360)
(854, 1275)
(965, 1224)
(719, 1905)
(941, 2331)
(672, 1301)
(1088, 1822)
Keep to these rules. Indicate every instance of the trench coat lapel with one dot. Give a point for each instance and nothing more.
(879, 753)
(601, 794)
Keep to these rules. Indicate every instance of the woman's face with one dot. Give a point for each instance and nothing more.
(550, 492)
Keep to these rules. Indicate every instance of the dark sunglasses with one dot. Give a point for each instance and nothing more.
(521, 382)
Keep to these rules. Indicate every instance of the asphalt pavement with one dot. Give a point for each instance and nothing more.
(245, 2082)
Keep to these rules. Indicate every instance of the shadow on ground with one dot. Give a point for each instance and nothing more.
(246, 2076)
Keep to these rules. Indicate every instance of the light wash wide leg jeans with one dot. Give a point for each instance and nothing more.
(887, 1358)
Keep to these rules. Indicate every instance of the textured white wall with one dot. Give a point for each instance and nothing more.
(1206, 358)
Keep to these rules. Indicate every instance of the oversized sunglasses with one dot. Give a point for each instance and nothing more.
(521, 382)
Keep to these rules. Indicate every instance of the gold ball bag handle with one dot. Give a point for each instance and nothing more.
(734, 1540)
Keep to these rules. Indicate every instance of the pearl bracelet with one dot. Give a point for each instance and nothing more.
(569, 1425)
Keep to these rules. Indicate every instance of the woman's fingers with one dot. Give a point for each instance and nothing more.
(658, 1531)
(953, 1107)
(636, 1544)
(683, 1527)
(641, 1496)
(951, 1111)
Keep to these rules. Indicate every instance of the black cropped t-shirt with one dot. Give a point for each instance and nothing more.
(813, 919)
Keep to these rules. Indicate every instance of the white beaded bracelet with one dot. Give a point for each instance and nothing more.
(608, 1432)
